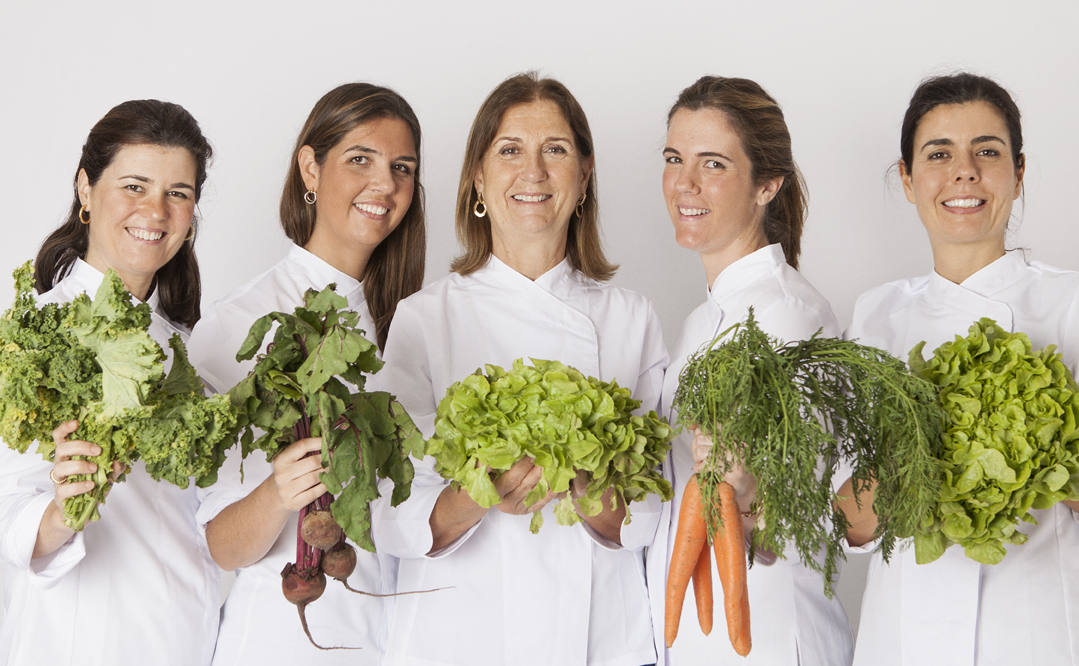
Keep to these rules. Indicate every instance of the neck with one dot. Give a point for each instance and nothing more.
(138, 285)
(349, 259)
(716, 262)
(532, 257)
(958, 262)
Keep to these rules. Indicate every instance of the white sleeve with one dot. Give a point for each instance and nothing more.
(25, 494)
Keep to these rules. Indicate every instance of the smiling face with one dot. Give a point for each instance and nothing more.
(364, 187)
(962, 179)
(532, 175)
(716, 207)
(141, 209)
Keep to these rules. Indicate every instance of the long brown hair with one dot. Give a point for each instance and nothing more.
(767, 142)
(583, 247)
(395, 268)
(144, 121)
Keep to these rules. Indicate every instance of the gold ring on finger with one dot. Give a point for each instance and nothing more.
(52, 477)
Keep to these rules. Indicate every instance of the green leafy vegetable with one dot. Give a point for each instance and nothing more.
(298, 388)
(566, 422)
(1011, 442)
(95, 361)
(790, 412)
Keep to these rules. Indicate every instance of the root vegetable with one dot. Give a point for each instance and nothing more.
(301, 587)
(690, 539)
(320, 530)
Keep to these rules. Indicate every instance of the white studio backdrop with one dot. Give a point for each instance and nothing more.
(843, 72)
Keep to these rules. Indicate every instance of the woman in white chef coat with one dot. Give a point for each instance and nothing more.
(136, 586)
(736, 198)
(530, 283)
(353, 207)
(962, 167)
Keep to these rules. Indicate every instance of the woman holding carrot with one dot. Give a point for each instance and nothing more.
(962, 166)
(530, 283)
(353, 207)
(736, 198)
(137, 586)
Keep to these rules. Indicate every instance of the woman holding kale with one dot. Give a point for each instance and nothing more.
(736, 198)
(530, 283)
(962, 166)
(81, 597)
(353, 207)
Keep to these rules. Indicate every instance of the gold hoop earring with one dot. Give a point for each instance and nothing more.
(580, 206)
(310, 197)
(190, 233)
(476, 208)
(84, 215)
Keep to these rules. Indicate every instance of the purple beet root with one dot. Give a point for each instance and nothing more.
(301, 588)
(320, 530)
(339, 562)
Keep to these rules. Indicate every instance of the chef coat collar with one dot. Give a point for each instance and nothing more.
(989, 280)
(548, 281)
(746, 271)
(321, 273)
(88, 279)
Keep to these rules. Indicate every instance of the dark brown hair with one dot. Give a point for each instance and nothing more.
(144, 121)
(767, 142)
(961, 88)
(395, 268)
(583, 247)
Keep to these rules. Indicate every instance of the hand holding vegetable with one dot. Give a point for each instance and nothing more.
(65, 465)
(296, 471)
(516, 484)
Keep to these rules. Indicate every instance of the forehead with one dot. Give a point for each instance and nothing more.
(969, 119)
(541, 116)
(704, 129)
(139, 158)
(388, 134)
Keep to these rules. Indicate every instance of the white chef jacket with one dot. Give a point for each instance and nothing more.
(1023, 611)
(258, 625)
(135, 587)
(562, 596)
(791, 620)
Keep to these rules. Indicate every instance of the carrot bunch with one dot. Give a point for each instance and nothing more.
(690, 560)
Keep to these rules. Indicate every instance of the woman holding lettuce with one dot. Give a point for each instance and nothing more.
(962, 166)
(530, 283)
(81, 598)
(353, 207)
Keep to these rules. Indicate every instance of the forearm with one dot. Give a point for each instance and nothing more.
(862, 519)
(245, 530)
(51, 532)
(454, 514)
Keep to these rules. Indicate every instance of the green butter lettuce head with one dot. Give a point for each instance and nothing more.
(1011, 443)
(565, 422)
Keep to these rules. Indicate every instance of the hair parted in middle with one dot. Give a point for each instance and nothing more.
(583, 246)
(395, 268)
(759, 121)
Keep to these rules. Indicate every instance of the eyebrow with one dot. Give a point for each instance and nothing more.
(365, 149)
(706, 153)
(144, 179)
(550, 138)
(985, 138)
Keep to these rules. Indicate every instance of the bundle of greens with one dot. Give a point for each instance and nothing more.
(94, 360)
(299, 388)
(790, 412)
(1011, 441)
(564, 421)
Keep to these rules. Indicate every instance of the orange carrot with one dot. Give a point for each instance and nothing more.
(702, 590)
(730, 546)
(690, 539)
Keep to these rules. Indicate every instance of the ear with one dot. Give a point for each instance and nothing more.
(1019, 175)
(768, 190)
(908, 186)
(82, 185)
(309, 167)
(586, 173)
(477, 181)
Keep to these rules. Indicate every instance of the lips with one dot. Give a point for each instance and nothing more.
(145, 234)
(531, 198)
(964, 203)
(692, 212)
(371, 209)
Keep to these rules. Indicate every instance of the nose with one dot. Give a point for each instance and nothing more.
(966, 169)
(382, 180)
(686, 181)
(154, 208)
(535, 169)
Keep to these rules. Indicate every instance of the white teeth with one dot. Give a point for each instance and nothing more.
(964, 203)
(693, 211)
(531, 198)
(143, 234)
(372, 208)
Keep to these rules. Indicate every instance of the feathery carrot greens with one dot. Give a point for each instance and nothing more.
(791, 412)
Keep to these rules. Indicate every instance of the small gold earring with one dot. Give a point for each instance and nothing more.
(310, 197)
(476, 208)
(84, 215)
(190, 233)
(580, 205)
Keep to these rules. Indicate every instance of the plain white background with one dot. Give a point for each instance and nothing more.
(843, 72)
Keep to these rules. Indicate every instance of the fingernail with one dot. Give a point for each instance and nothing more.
(96, 451)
